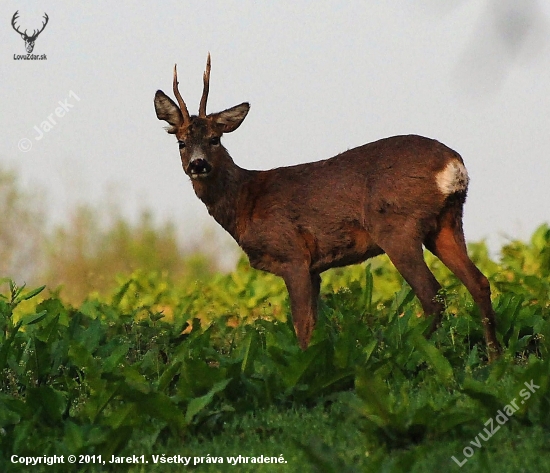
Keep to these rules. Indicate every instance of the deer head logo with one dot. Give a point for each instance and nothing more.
(29, 40)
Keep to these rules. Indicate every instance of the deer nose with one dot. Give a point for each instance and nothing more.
(198, 167)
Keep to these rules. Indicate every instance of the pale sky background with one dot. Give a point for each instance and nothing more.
(321, 77)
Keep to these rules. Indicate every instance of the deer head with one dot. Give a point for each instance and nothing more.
(29, 40)
(202, 154)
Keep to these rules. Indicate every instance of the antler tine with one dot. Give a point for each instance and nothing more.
(183, 107)
(206, 81)
(13, 20)
(35, 33)
(45, 23)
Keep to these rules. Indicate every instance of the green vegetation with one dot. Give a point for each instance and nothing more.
(85, 255)
(211, 369)
(181, 360)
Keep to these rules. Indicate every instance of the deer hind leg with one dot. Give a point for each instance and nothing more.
(407, 256)
(448, 244)
(303, 290)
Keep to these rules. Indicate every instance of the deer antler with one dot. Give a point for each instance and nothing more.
(36, 33)
(183, 107)
(13, 20)
(206, 81)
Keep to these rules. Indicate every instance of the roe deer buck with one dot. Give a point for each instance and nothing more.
(391, 196)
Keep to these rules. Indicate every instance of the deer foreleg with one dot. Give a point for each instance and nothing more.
(303, 290)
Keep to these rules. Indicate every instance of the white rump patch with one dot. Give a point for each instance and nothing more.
(453, 178)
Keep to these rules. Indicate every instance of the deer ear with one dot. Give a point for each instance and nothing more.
(229, 120)
(167, 110)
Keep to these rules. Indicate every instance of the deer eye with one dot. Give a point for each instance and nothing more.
(215, 140)
(181, 144)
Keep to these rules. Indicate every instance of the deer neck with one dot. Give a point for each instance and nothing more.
(220, 194)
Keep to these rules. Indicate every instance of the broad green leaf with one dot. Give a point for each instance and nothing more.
(199, 403)
(115, 358)
(168, 375)
(375, 398)
(96, 405)
(33, 319)
(136, 380)
(5, 309)
(30, 294)
(11, 410)
(159, 405)
(453, 417)
(73, 437)
(293, 366)
(55, 307)
(118, 417)
(482, 393)
(402, 298)
(48, 400)
(117, 298)
(435, 359)
(249, 348)
(369, 349)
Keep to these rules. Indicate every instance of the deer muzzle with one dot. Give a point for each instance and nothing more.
(198, 167)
